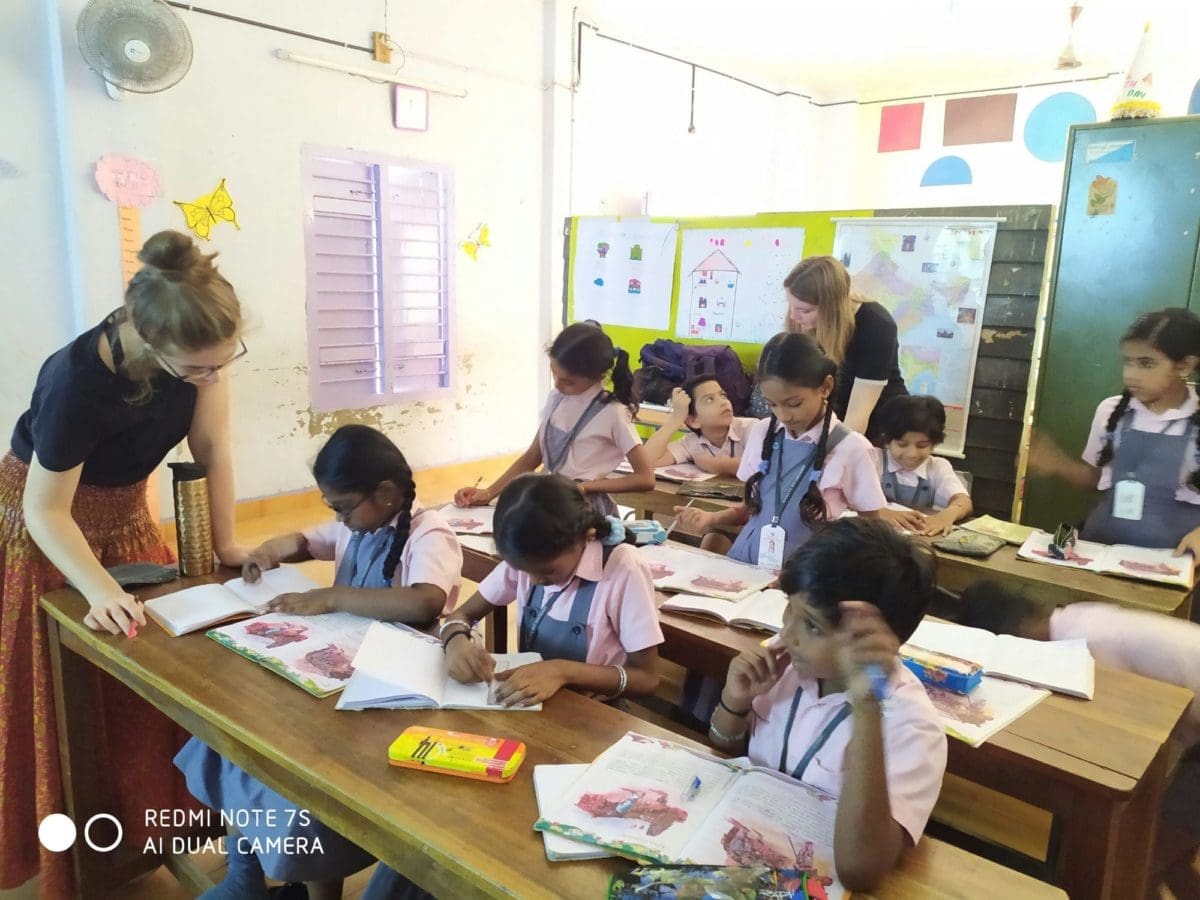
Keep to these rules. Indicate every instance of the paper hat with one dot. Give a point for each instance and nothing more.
(1136, 100)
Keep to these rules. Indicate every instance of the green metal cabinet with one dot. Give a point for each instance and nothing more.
(1109, 267)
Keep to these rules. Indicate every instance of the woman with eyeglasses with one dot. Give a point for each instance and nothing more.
(106, 409)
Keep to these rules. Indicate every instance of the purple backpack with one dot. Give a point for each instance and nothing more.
(667, 364)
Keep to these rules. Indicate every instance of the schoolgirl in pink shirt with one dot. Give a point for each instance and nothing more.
(585, 600)
(585, 430)
(808, 707)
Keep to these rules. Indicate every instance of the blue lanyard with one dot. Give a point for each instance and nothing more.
(815, 747)
(530, 629)
(806, 467)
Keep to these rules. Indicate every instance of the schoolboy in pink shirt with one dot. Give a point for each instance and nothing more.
(714, 438)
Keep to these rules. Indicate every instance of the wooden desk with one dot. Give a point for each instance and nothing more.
(453, 837)
(1099, 766)
(956, 572)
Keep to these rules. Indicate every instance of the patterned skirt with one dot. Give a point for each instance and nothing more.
(137, 742)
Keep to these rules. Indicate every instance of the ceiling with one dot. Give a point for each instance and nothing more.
(883, 49)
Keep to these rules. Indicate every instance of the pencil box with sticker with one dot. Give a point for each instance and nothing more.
(941, 670)
(457, 753)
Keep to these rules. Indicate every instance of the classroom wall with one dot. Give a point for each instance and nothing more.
(242, 114)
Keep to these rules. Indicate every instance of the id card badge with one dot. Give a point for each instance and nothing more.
(770, 547)
(1129, 496)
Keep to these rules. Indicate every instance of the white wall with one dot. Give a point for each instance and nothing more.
(242, 114)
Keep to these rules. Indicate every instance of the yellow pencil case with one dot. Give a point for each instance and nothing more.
(456, 753)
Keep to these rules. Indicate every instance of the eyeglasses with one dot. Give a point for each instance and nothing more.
(341, 511)
(1063, 544)
(198, 373)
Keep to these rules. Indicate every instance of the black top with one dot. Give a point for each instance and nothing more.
(872, 354)
(79, 414)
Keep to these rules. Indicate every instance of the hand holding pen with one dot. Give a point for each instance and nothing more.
(867, 649)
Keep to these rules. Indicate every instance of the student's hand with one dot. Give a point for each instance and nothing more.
(257, 561)
(938, 524)
(695, 521)
(706, 462)
(680, 402)
(469, 663)
(1045, 456)
(233, 555)
(472, 496)
(529, 685)
(114, 612)
(308, 603)
(864, 639)
(751, 674)
(905, 520)
(1190, 544)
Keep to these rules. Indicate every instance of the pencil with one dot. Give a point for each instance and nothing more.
(675, 521)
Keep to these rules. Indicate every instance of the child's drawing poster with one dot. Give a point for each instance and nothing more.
(731, 282)
(622, 271)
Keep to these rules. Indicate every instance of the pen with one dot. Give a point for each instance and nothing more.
(675, 521)
(693, 789)
(878, 680)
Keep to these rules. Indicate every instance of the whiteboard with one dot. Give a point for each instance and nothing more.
(731, 282)
(623, 271)
(932, 275)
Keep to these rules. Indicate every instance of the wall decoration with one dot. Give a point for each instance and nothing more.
(480, 237)
(979, 120)
(130, 183)
(623, 271)
(900, 127)
(947, 170)
(1194, 103)
(209, 210)
(1047, 126)
(1136, 100)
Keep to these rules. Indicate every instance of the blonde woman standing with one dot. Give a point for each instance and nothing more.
(858, 334)
(106, 410)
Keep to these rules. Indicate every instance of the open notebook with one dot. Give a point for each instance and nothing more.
(471, 520)
(1142, 563)
(1063, 666)
(680, 473)
(675, 567)
(762, 611)
(399, 668)
(207, 604)
(1009, 532)
(990, 707)
(657, 800)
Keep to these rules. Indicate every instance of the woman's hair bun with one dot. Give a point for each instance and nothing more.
(170, 251)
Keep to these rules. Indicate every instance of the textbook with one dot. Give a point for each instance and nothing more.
(687, 882)
(315, 653)
(207, 604)
(680, 473)
(975, 716)
(762, 611)
(549, 783)
(677, 567)
(660, 801)
(1142, 563)
(1063, 666)
(397, 667)
(469, 520)
(1009, 532)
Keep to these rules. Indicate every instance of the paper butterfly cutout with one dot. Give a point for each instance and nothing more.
(209, 210)
(476, 239)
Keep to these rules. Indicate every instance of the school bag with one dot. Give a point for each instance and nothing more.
(662, 371)
(723, 364)
(667, 364)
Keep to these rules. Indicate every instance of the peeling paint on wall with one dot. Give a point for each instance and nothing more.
(991, 335)
(323, 423)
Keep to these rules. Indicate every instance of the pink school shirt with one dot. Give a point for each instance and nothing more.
(601, 444)
(914, 741)
(431, 555)
(1175, 421)
(692, 446)
(850, 480)
(1149, 644)
(942, 478)
(623, 618)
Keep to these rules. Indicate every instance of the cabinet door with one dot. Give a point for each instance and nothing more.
(1127, 243)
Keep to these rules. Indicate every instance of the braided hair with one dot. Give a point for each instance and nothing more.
(541, 516)
(797, 360)
(584, 349)
(1175, 333)
(357, 459)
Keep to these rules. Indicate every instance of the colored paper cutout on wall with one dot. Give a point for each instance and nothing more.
(1047, 126)
(900, 127)
(126, 180)
(1102, 196)
(979, 120)
(947, 170)
(480, 237)
(1194, 103)
(209, 210)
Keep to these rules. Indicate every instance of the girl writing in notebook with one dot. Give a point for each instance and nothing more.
(1143, 451)
(585, 602)
(812, 705)
(910, 427)
(585, 429)
(716, 438)
(801, 466)
(395, 561)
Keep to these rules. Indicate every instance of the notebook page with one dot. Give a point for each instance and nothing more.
(972, 644)
(1064, 666)
(284, 580)
(196, 607)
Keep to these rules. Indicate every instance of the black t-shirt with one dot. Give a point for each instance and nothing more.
(873, 355)
(79, 414)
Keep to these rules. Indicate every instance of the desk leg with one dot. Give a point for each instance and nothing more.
(1138, 827)
(1087, 859)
